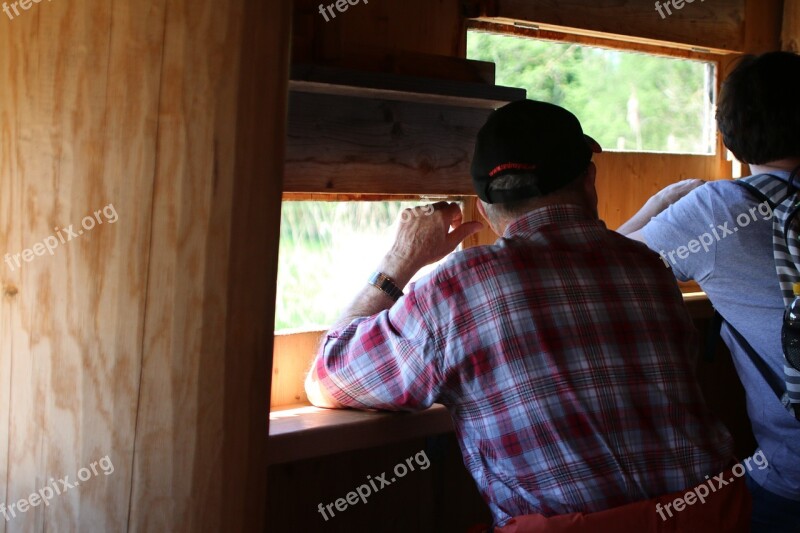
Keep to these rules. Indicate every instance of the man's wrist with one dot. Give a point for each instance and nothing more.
(660, 204)
(386, 284)
(398, 269)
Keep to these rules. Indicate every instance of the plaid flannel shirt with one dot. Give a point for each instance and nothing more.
(565, 356)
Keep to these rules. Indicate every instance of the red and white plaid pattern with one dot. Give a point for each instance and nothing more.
(566, 357)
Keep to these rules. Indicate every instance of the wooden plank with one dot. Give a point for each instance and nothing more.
(443, 498)
(791, 26)
(421, 26)
(762, 25)
(486, 235)
(293, 353)
(397, 87)
(599, 41)
(716, 26)
(414, 64)
(303, 432)
(626, 180)
(253, 260)
(78, 112)
(344, 145)
(202, 426)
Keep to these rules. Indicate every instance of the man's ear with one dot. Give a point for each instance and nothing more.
(590, 188)
(482, 210)
(591, 176)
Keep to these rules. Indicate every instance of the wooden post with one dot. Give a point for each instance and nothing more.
(791, 26)
(253, 264)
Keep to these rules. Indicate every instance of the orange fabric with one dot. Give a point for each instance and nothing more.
(727, 510)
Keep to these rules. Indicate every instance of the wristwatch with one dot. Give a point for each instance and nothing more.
(386, 284)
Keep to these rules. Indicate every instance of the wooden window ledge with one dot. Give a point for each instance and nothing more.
(303, 432)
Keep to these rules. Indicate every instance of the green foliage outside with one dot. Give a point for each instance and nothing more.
(327, 251)
(625, 100)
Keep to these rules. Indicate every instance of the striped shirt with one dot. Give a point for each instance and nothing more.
(566, 358)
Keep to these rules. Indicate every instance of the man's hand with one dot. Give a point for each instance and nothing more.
(657, 204)
(672, 193)
(424, 237)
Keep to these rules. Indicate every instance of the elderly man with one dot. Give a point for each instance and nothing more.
(563, 352)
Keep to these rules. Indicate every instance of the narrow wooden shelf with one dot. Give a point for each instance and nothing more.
(303, 431)
(400, 87)
(356, 132)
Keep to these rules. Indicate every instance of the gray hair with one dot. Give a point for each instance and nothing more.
(511, 210)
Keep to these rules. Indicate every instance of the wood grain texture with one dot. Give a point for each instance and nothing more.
(411, 166)
(78, 115)
(762, 25)
(544, 34)
(292, 358)
(717, 25)
(182, 369)
(305, 432)
(217, 214)
(791, 26)
(625, 181)
(341, 144)
(422, 26)
(471, 213)
(140, 340)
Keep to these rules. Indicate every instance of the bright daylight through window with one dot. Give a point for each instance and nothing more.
(628, 101)
(327, 252)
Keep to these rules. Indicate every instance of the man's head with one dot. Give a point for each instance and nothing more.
(528, 155)
(759, 108)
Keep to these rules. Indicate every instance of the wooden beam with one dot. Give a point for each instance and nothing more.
(762, 25)
(791, 26)
(596, 40)
(342, 144)
(202, 426)
(253, 260)
(391, 86)
(421, 26)
(716, 26)
(306, 432)
(396, 137)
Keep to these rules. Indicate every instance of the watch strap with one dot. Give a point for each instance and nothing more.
(385, 284)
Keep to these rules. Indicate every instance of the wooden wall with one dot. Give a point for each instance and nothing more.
(378, 28)
(357, 37)
(791, 26)
(149, 340)
(138, 340)
(721, 26)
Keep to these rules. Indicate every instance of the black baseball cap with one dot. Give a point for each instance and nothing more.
(543, 139)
